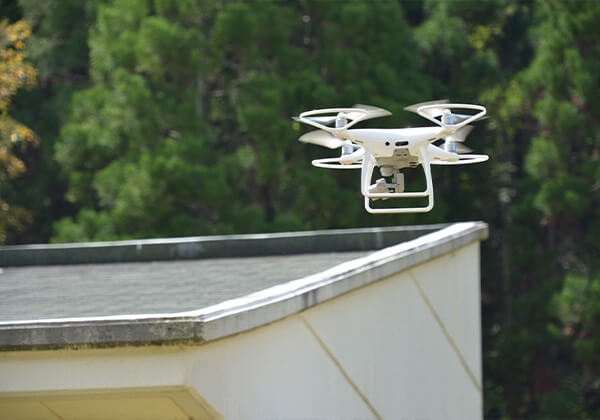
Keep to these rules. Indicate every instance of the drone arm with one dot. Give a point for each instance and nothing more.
(355, 121)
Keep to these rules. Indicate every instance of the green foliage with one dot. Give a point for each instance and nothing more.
(186, 128)
(551, 139)
(578, 309)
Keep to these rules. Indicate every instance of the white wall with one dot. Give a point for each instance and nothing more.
(407, 347)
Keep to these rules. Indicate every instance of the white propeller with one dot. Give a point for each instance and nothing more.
(322, 138)
(442, 110)
(453, 142)
(364, 112)
(321, 119)
(432, 112)
(461, 134)
(372, 112)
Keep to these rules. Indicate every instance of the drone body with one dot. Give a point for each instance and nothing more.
(393, 149)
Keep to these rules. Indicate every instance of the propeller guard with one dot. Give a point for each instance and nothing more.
(334, 163)
(422, 111)
(354, 115)
(463, 160)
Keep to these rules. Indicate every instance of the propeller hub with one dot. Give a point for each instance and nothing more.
(340, 120)
(450, 146)
(347, 148)
(447, 117)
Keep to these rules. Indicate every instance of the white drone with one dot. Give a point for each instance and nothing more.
(393, 149)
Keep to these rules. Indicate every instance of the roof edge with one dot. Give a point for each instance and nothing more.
(223, 246)
(251, 311)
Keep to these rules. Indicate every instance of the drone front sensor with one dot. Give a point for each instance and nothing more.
(393, 150)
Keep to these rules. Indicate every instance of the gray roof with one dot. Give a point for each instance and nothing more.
(159, 287)
(183, 290)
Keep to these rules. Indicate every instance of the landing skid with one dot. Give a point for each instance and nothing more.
(368, 166)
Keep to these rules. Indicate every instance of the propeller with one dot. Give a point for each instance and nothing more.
(448, 117)
(325, 120)
(372, 112)
(460, 135)
(452, 118)
(432, 112)
(365, 111)
(456, 148)
(453, 142)
(322, 138)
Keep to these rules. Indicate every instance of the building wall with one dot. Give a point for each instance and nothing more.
(406, 347)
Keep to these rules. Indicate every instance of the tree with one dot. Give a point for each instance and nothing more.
(186, 128)
(545, 318)
(533, 65)
(15, 73)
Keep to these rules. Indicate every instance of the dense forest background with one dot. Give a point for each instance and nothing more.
(155, 118)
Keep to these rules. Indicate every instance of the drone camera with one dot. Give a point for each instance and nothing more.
(379, 187)
(386, 170)
(382, 187)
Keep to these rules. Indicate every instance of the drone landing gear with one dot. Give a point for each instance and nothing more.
(381, 189)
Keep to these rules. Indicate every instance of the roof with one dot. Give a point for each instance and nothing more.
(93, 290)
(196, 289)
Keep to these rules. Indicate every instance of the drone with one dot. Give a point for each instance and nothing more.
(393, 150)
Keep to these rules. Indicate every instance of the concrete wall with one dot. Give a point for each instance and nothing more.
(406, 347)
